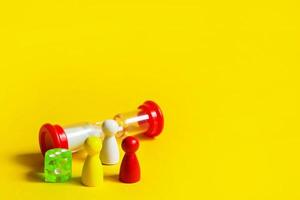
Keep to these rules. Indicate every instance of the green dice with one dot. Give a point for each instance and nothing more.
(58, 165)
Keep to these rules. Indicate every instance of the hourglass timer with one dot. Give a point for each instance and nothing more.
(147, 119)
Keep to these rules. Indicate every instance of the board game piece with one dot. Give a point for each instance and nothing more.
(58, 165)
(110, 151)
(92, 171)
(130, 168)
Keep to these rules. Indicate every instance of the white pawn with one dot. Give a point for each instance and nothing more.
(110, 151)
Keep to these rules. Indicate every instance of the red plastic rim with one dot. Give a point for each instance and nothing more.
(52, 136)
(156, 118)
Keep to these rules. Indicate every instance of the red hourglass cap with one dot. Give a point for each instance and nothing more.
(156, 118)
(52, 136)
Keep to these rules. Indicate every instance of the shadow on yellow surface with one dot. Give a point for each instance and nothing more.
(75, 181)
(33, 161)
(112, 178)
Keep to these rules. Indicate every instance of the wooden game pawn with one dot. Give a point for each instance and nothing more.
(92, 171)
(130, 168)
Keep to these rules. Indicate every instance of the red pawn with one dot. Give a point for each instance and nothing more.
(130, 168)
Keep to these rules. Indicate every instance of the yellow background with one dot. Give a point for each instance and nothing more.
(226, 74)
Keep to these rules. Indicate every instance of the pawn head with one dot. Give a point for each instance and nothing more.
(130, 144)
(110, 127)
(93, 145)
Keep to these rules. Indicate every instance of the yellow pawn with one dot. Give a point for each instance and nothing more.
(92, 171)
